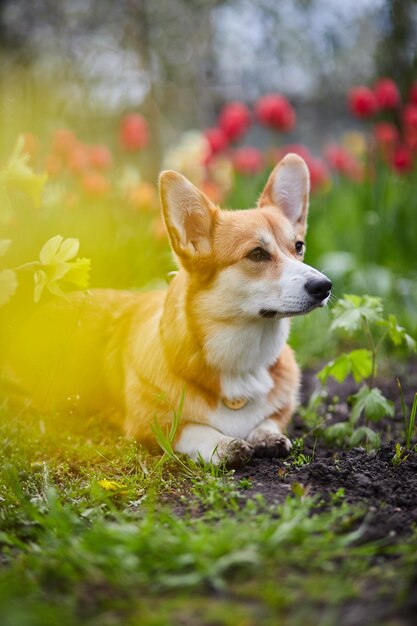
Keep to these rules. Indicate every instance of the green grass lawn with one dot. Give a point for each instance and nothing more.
(95, 531)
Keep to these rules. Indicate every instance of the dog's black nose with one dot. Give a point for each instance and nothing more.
(319, 288)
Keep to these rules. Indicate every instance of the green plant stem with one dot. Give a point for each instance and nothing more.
(373, 349)
(29, 266)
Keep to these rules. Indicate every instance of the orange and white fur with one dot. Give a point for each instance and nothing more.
(218, 333)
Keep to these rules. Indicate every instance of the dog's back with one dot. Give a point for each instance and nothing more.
(67, 353)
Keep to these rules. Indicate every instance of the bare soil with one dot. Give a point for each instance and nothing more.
(371, 479)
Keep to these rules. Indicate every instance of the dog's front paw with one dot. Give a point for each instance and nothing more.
(237, 453)
(271, 445)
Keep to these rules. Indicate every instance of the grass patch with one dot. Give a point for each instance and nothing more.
(94, 530)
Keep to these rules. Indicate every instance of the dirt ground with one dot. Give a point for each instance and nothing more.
(388, 491)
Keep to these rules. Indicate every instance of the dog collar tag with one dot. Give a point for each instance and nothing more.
(235, 404)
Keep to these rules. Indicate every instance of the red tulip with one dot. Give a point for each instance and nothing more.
(234, 120)
(402, 160)
(78, 160)
(413, 93)
(319, 174)
(134, 133)
(53, 164)
(95, 185)
(409, 115)
(100, 157)
(342, 162)
(212, 190)
(295, 148)
(217, 140)
(248, 160)
(387, 94)
(275, 111)
(63, 142)
(362, 102)
(410, 137)
(386, 136)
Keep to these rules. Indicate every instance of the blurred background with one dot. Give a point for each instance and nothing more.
(180, 60)
(104, 94)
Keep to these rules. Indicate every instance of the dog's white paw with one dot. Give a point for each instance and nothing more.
(270, 445)
(236, 453)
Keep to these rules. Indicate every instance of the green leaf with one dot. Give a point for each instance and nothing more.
(397, 333)
(372, 403)
(338, 433)
(8, 285)
(17, 174)
(361, 363)
(363, 434)
(357, 362)
(78, 273)
(49, 251)
(60, 273)
(40, 278)
(6, 210)
(68, 249)
(350, 312)
(4, 246)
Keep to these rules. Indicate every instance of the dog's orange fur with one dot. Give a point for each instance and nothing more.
(133, 355)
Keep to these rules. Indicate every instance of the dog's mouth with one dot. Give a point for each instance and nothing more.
(306, 308)
(268, 313)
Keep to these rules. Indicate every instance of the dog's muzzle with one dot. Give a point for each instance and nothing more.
(318, 288)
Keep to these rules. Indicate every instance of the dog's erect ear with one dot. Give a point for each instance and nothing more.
(189, 215)
(287, 188)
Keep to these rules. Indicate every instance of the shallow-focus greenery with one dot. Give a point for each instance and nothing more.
(95, 531)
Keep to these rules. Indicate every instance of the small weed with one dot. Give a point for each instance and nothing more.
(297, 457)
(310, 414)
(245, 483)
(362, 315)
(337, 496)
(409, 420)
(400, 455)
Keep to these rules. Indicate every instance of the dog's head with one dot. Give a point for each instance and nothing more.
(246, 264)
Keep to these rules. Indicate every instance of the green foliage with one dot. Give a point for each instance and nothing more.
(166, 440)
(59, 269)
(56, 270)
(409, 419)
(18, 175)
(82, 538)
(350, 312)
(8, 278)
(357, 362)
(8, 285)
(345, 433)
(366, 234)
(397, 333)
(372, 403)
(400, 455)
(362, 316)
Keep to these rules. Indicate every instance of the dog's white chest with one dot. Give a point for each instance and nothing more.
(245, 376)
(239, 423)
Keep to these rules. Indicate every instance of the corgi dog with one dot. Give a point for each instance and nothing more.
(217, 336)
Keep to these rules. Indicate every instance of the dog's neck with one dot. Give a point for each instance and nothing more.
(231, 357)
(243, 353)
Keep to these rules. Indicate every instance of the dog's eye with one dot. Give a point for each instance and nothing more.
(299, 247)
(258, 254)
